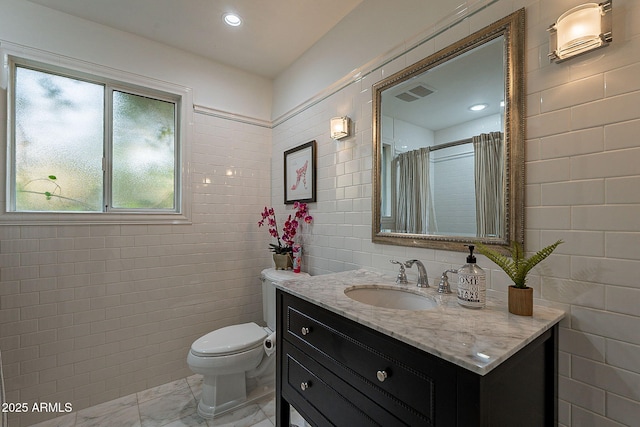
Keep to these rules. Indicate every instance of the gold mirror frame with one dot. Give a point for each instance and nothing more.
(512, 28)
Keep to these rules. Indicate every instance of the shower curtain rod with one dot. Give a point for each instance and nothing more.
(450, 144)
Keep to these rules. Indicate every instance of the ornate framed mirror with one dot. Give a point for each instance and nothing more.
(448, 158)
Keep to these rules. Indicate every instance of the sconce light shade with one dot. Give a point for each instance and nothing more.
(340, 127)
(580, 30)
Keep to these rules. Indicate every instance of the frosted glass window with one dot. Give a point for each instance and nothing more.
(90, 145)
(59, 132)
(143, 152)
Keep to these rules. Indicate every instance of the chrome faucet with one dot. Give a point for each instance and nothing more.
(423, 281)
(402, 275)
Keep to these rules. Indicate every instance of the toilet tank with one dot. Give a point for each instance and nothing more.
(270, 276)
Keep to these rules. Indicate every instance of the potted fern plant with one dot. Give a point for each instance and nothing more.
(517, 267)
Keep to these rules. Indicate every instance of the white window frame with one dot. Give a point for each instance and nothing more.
(114, 80)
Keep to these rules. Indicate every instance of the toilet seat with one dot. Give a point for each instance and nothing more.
(229, 340)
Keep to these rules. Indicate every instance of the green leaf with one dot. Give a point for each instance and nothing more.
(539, 256)
(52, 177)
(47, 195)
(518, 266)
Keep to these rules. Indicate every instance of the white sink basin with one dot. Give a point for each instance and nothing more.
(390, 297)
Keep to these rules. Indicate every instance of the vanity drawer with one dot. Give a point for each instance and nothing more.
(406, 381)
(316, 390)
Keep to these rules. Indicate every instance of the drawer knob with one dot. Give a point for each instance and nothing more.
(305, 385)
(305, 330)
(382, 375)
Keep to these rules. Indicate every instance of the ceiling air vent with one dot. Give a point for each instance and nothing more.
(415, 93)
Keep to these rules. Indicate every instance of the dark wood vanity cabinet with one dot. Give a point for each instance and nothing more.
(336, 372)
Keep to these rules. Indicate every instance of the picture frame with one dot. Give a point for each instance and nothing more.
(300, 174)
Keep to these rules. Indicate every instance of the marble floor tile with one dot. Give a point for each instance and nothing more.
(168, 407)
(123, 411)
(110, 407)
(171, 405)
(246, 416)
(268, 406)
(195, 383)
(162, 390)
(68, 420)
(193, 420)
(124, 417)
(263, 423)
(296, 419)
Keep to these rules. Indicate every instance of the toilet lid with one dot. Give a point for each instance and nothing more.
(229, 340)
(282, 275)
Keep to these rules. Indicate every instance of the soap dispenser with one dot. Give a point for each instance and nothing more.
(472, 284)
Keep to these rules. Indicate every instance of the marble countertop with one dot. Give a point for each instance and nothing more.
(475, 339)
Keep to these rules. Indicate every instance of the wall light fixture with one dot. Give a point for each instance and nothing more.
(580, 30)
(340, 127)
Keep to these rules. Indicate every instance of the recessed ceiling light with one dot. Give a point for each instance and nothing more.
(232, 19)
(478, 107)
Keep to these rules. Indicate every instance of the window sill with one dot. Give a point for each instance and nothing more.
(79, 218)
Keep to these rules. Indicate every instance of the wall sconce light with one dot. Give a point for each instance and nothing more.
(580, 30)
(340, 127)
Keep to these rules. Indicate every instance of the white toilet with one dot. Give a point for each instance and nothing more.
(230, 357)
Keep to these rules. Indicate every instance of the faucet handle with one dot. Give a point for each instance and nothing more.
(402, 275)
(443, 286)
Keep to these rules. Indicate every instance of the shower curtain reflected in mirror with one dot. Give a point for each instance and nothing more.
(414, 211)
(489, 177)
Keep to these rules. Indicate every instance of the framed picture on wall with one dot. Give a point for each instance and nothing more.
(300, 173)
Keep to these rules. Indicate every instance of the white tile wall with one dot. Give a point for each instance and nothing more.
(91, 313)
(583, 185)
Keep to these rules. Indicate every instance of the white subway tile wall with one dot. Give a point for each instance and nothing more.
(583, 186)
(92, 313)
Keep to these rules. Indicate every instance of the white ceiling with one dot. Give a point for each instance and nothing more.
(475, 77)
(273, 35)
